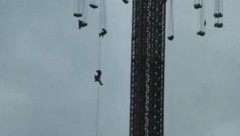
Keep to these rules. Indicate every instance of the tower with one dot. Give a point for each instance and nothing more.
(147, 68)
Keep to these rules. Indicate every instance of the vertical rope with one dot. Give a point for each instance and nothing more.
(171, 21)
(99, 53)
(99, 67)
(97, 117)
(78, 6)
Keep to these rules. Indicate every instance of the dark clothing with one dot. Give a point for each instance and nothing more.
(98, 77)
(81, 24)
(104, 32)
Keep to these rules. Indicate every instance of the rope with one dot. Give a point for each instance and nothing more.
(97, 117)
(102, 19)
(78, 8)
(99, 67)
(99, 53)
(171, 21)
(84, 10)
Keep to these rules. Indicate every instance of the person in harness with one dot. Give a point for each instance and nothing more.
(98, 77)
(81, 24)
(103, 32)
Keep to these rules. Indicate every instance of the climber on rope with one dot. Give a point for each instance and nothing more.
(81, 24)
(104, 32)
(98, 77)
(125, 1)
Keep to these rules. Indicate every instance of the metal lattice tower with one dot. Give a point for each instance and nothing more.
(147, 68)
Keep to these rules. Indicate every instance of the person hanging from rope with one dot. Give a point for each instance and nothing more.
(102, 19)
(98, 77)
(81, 24)
(125, 1)
(83, 21)
(103, 32)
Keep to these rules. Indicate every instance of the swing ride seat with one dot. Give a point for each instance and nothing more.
(201, 33)
(197, 6)
(77, 15)
(218, 25)
(125, 1)
(94, 6)
(170, 38)
(218, 15)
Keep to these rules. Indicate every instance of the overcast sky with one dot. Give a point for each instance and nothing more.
(47, 67)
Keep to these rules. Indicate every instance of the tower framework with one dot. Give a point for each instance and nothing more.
(147, 68)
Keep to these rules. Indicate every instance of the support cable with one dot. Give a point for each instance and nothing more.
(171, 22)
(202, 20)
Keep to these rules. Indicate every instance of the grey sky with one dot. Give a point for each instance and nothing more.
(47, 67)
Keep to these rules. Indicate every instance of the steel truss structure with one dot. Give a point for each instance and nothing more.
(147, 68)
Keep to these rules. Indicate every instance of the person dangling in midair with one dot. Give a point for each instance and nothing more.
(98, 77)
(83, 22)
(80, 11)
(102, 19)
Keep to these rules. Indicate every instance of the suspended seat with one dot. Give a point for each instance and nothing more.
(218, 25)
(125, 1)
(103, 32)
(94, 6)
(81, 24)
(170, 38)
(218, 15)
(98, 77)
(197, 6)
(201, 33)
(77, 15)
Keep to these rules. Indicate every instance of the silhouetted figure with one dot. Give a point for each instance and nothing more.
(205, 22)
(81, 24)
(201, 33)
(104, 32)
(125, 1)
(170, 38)
(98, 77)
(94, 6)
(197, 6)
